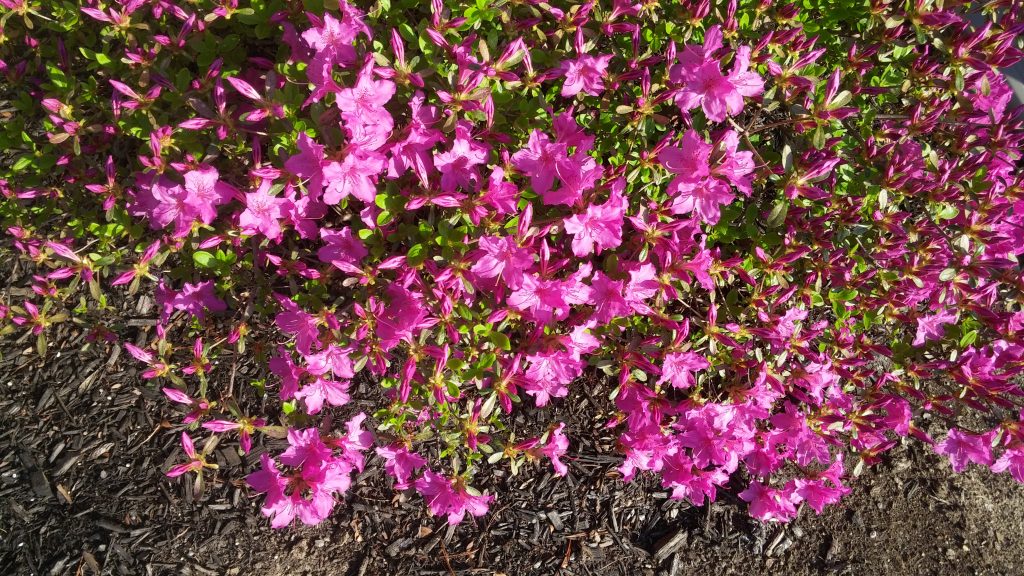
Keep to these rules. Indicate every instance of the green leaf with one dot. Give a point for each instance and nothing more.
(778, 214)
(501, 341)
(416, 255)
(21, 163)
(204, 259)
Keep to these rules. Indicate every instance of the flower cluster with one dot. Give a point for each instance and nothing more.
(775, 248)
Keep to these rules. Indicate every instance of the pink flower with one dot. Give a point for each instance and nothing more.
(400, 463)
(402, 318)
(555, 448)
(366, 99)
(549, 374)
(164, 202)
(309, 485)
(199, 407)
(308, 163)
(599, 227)
(578, 173)
(245, 426)
(704, 85)
(792, 431)
(204, 192)
(546, 300)
(499, 256)
(320, 391)
(823, 491)
(539, 160)
(354, 176)
(342, 250)
(585, 74)
(304, 326)
(962, 448)
(931, 327)
(608, 298)
(694, 188)
(284, 367)
(1013, 460)
(501, 195)
(262, 212)
(458, 165)
(194, 299)
(332, 359)
(734, 166)
(355, 441)
(335, 37)
(196, 461)
(413, 152)
(697, 486)
(678, 368)
(305, 448)
(769, 504)
(451, 497)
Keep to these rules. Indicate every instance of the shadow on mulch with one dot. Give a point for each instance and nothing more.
(83, 448)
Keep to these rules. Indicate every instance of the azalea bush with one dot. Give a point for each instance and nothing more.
(778, 238)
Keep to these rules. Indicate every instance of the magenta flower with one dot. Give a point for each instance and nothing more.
(320, 391)
(931, 327)
(578, 173)
(195, 299)
(204, 192)
(678, 368)
(599, 227)
(331, 359)
(703, 84)
(353, 176)
(365, 101)
(451, 497)
(413, 152)
(549, 374)
(695, 188)
(305, 327)
(963, 448)
(199, 408)
(400, 463)
(555, 448)
(1013, 460)
(334, 38)
(402, 318)
(547, 300)
(458, 165)
(290, 373)
(824, 490)
(342, 250)
(585, 74)
(196, 463)
(308, 486)
(539, 160)
(308, 163)
(499, 256)
(355, 441)
(263, 212)
(769, 504)
(245, 427)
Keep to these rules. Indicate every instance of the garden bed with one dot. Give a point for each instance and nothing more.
(510, 287)
(78, 426)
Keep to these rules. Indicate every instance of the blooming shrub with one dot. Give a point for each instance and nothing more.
(787, 234)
